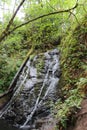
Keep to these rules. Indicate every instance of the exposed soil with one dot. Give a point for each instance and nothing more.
(81, 118)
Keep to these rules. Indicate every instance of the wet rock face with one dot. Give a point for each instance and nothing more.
(35, 89)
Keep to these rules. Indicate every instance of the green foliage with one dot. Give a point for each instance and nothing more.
(66, 108)
(74, 72)
(42, 32)
(82, 82)
(12, 53)
(42, 35)
(32, 56)
(74, 51)
(8, 68)
(40, 63)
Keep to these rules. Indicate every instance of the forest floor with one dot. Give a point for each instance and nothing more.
(81, 118)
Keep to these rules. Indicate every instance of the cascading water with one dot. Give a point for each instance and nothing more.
(35, 89)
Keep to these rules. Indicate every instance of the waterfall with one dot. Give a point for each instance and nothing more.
(36, 85)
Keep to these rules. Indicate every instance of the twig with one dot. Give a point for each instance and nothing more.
(75, 17)
(51, 6)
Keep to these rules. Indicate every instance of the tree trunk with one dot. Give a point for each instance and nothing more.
(6, 31)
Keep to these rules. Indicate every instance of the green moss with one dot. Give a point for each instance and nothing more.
(40, 63)
(32, 56)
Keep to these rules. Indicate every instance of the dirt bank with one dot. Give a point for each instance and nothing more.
(81, 118)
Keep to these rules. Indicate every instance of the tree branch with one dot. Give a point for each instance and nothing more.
(75, 17)
(5, 32)
(45, 15)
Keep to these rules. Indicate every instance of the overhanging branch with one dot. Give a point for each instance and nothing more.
(45, 15)
(39, 17)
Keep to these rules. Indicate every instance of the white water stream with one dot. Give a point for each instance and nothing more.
(33, 89)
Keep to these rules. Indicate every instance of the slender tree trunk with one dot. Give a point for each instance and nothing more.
(6, 31)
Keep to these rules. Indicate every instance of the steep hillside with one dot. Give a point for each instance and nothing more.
(73, 81)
